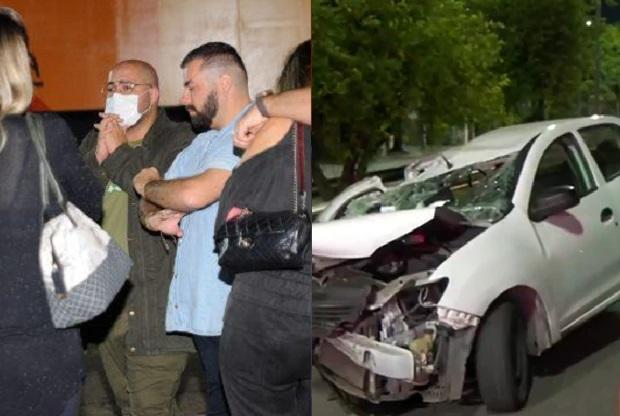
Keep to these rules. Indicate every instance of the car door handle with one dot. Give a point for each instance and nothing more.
(606, 214)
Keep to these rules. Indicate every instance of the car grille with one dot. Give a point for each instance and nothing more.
(333, 305)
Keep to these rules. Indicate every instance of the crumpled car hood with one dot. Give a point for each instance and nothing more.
(354, 190)
(356, 238)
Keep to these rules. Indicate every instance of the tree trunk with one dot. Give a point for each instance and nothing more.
(398, 144)
(466, 133)
(325, 189)
(398, 139)
(537, 112)
(355, 166)
(540, 109)
(347, 176)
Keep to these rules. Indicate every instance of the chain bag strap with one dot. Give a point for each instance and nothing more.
(300, 146)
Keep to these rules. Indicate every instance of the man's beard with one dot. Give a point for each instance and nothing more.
(203, 118)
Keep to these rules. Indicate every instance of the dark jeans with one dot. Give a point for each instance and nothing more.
(209, 352)
(72, 406)
(266, 345)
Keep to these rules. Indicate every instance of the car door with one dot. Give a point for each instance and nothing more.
(603, 147)
(575, 242)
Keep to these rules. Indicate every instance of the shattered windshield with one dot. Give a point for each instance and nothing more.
(481, 192)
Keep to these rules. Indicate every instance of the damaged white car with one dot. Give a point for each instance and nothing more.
(485, 255)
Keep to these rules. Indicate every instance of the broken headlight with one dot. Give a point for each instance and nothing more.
(405, 316)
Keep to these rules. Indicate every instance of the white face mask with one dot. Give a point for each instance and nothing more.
(126, 107)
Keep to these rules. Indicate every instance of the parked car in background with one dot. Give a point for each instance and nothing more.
(483, 256)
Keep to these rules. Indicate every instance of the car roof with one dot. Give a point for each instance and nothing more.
(519, 134)
(497, 143)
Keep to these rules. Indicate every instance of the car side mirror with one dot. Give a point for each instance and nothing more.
(553, 201)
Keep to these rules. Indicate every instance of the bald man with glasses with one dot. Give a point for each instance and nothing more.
(142, 363)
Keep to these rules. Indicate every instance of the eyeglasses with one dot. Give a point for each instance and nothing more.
(123, 87)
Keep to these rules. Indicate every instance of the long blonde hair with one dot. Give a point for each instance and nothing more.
(15, 77)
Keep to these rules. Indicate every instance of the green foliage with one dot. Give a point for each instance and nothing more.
(610, 61)
(610, 46)
(547, 53)
(457, 73)
(375, 62)
(378, 63)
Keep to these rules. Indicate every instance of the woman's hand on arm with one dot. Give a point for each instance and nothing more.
(272, 133)
(295, 105)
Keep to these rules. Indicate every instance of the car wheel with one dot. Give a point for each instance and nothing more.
(502, 362)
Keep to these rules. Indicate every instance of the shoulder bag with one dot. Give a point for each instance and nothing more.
(269, 240)
(82, 267)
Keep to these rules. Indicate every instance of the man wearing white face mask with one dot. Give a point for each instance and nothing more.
(142, 363)
(125, 106)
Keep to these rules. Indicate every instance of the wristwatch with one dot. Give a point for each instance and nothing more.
(260, 104)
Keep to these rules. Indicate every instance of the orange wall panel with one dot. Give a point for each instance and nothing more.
(75, 44)
(77, 41)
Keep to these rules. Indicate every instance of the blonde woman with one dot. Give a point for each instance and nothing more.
(40, 366)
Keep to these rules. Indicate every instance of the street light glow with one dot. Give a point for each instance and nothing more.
(589, 23)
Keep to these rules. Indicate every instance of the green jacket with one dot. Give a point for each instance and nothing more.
(150, 276)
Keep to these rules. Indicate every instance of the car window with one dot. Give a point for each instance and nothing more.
(603, 140)
(482, 192)
(563, 164)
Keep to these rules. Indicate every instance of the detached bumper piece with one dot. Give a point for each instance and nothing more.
(351, 367)
(378, 357)
(378, 372)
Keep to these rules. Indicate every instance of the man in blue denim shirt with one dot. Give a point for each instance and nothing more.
(216, 96)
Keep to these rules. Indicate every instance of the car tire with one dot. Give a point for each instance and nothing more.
(502, 363)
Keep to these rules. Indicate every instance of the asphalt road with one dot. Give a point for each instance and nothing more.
(578, 376)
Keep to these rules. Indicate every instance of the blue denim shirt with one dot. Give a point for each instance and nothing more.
(198, 296)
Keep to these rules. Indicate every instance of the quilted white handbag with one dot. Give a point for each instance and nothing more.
(83, 268)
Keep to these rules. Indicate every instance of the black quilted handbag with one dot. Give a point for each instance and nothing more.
(269, 240)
